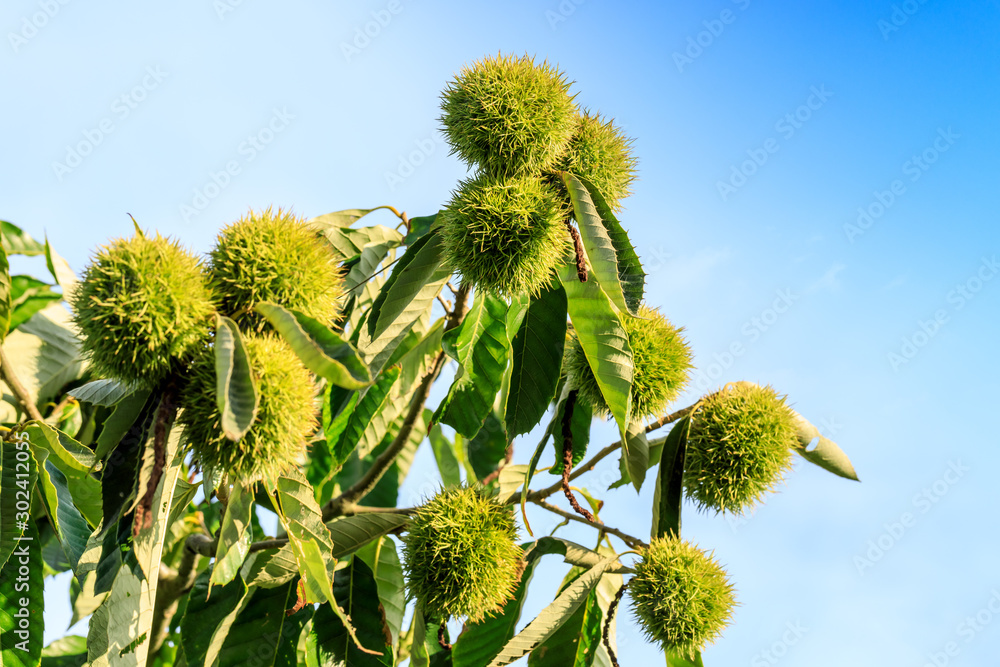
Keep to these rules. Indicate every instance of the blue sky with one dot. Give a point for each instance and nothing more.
(761, 129)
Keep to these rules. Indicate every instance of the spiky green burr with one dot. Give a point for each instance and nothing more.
(460, 554)
(601, 153)
(274, 256)
(661, 361)
(286, 416)
(681, 595)
(506, 235)
(739, 447)
(508, 115)
(142, 304)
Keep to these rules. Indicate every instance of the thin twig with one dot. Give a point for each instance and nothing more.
(14, 382)
(612, 608)
(442, 642)
(633, 542)
(567, 453)
(581, 255)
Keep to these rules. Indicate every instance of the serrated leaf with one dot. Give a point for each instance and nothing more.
(604, 342)
(511, 482)
(383, 560)
(444, 455)
(576, 554)
(270, 568)
(353, 532)
(17, 242)
(363, 428)
(263, 633)
(75, 462)
(207, 618)
(309, 538)
(536, 360)
(117, 425)
(630, 272)
(826, 454)
(481, 347)
(574, 644)
(234, 536)
(22, 602)
(119, 629)
(488, 449)
(236, 391)
(670, 482)
(322, 351)
(28, 296)
(366, 264)
(341, 219)
(553, 616)
(635, 451)
(600, 251)
(45, 353)
(70, 525)
(579, 423)
(104, 393)
(357, 593)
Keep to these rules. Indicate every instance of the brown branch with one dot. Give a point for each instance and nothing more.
(14, 382)
(161, 430)
(633, 542)
(442, 642)
(567, 453)
(581, 255)
(612, 608)
(348, 499)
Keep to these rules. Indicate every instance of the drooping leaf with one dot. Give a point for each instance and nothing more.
(18, 475)
(236, 389)
(119, 629)
(22, 601)
(270, 567)
(353, 532)
(536, 360)
(45, 353)
(234, 536)
(511, 481)
(826, 454)
(263, 632)
(575, 642)
(357, 593)
(553, 616)
(426, 651)
(366, 264)
(604, 342)
(481, 345)
(68, 651)
(635, 451)
(444, 455)
(17, 242)
(309, 538)
(28, 296)
(105, 393)
(60, 270)
(322, 351)
(6, 307)
(596, 241)
(120, 475)
(127, 412)
(489, 447)
(576, 554)
(381, 557)
(670, 482)
(70, 525)
(367, 423)
(75, 462)
(207, 618)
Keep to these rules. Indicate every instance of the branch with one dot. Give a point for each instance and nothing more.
(633, 542)
(612, 608)
(348, 499)
(10, 377)
(172, 585)
(567, 454)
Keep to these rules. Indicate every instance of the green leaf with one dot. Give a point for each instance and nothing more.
(68, 651)
(28, 296)
(579, 429)
(537, 354)
(6, 307)
(553, 616)
(576, 554)
(45, 353)
(419, 359)
(426, 651)
(604, 341)
(826, 454)
(119, 629)
(366, 425)
(630, 273)
(574, 644)
(677, 660)
(367, 263)
(670, 482)
(511, 482)
(120, 476)
(353, 532)
(17, 242)
(264, 633)
(600, 251)
(357, 593)
(309, 538)
(115, 428)
(322, 351)
(415, 282)
(444, 455)
(234, 536)
(489, 447)
(75, 462)
(69, 524)
(236, 388)
(22, 601)
(419, 226)
(104, 393)
(381, 556)
(341, 219)
(18, 475)
(208, 618)
(635, 451)
(60, 270)
(270, 568)
(481, 345)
